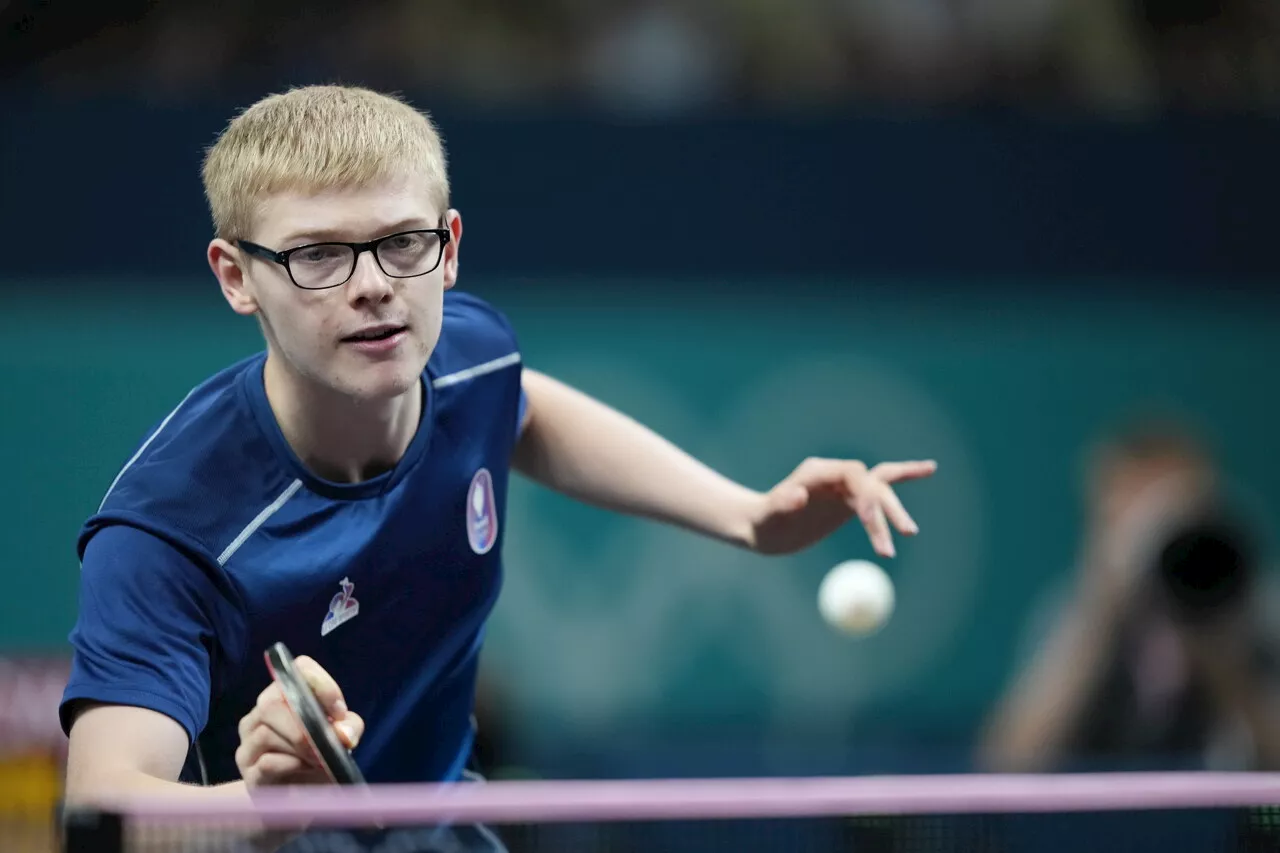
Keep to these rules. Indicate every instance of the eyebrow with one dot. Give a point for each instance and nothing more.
(338, 235)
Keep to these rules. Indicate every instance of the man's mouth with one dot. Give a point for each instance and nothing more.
(375, 333)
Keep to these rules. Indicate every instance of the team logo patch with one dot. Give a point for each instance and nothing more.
(341, 609)
(482, 513)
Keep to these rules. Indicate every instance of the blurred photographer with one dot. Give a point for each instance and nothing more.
(1160, 658)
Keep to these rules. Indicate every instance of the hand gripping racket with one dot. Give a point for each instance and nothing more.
(334, 757)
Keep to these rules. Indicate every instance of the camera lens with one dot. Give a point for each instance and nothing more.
(1205, 569)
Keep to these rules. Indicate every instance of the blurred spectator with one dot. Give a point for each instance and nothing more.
(1161, 655)
(662, 57)
(659, 56)
(1213, 54)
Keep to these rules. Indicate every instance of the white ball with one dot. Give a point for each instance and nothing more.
(856, 597)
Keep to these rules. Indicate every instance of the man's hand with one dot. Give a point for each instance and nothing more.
(821, 495)
(1125, 546)
(273, 745)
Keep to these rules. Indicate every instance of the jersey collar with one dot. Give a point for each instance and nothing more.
(256, 395)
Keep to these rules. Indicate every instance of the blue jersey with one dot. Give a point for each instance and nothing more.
(215, 541)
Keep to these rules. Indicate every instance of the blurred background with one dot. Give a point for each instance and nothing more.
(1032, 239)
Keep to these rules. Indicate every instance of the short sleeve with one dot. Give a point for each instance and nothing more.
(478, 337)
(523, 407)
(145, 629)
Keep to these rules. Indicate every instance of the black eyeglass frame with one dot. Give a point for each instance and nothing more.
(282, 258)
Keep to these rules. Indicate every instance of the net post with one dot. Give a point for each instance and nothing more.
(92, 831)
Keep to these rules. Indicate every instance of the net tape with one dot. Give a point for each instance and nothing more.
(680, 799)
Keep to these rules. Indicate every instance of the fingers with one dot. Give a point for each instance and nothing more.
(878, 506)
(277, 766)
(323, 685)
(790, 497)
(896, 472)
(869, 487)
(350, 729)
(811, 488)
(262, 742)
(897, 513)
(348, 725)
(266, 757)
(872, 515)
(274, 714)
(274, 747)
(815, 471)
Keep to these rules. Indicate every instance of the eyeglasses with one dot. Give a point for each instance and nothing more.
(317, 266)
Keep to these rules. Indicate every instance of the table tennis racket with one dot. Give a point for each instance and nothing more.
(334, 757)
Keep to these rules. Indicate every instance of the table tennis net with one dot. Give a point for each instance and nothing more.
(1205, 813)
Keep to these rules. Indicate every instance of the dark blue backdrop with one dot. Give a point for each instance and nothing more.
(965, 195)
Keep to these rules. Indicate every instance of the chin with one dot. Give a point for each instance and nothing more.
(377, 382)
(385, 384)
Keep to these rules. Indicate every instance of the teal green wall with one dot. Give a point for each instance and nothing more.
(606, 620)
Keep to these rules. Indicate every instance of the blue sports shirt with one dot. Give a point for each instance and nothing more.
(215, 541)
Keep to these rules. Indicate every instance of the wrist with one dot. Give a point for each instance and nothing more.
(745, 509)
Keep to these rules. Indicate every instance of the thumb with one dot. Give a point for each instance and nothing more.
(326, 690)
(789, 497)
(350, 728)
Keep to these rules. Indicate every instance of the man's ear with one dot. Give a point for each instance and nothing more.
(227, 265)
(453, 221)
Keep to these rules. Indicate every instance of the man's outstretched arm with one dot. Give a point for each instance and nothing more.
(581, 447)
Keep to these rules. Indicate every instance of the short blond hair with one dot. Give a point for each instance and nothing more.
(318, 138)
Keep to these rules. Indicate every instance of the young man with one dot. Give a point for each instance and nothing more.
(344, 491)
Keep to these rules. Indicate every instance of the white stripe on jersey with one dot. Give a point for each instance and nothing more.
(478, 370)
(258, 522)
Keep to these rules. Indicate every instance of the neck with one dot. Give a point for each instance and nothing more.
(339, 438)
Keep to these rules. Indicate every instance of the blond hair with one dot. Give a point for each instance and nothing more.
(318, 138)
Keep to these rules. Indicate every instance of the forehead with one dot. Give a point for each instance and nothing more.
(345, 213)
(1129, 474)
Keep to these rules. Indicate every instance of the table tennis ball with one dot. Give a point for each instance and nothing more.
(856, 597)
